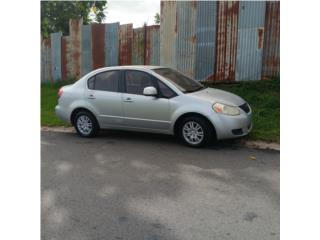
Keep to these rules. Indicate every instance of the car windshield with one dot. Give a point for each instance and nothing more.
(182, 82)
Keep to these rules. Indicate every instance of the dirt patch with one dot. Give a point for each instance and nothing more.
(58, 129)
(262, 145)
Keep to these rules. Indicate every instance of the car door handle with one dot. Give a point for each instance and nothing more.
(91, 96)
(128, 100)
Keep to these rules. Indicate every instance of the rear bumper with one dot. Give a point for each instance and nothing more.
(62, 114)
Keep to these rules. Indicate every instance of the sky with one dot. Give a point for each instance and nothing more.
(135, 11)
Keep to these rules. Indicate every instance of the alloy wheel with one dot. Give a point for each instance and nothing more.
(193, 132)
(84, 125)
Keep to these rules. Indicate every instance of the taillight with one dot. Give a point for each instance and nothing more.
(60, 93)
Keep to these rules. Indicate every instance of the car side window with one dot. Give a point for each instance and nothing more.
(165, 90)
(105, 81)
(136, 81)
(91, 83)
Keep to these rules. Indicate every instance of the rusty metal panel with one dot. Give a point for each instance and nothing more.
(226, 41)
(271, 45)
(56, 55)
(63, 58)
(152, 50)
(155, 46)
(112, 44)
(186, 37)
(46, 60)
(75, 27)
(168, 33)
(86, 52)
(42, 56)
(250, 40)
(125, 51)
(206, 40)
(138, 46)
(68, 53)
(98, 46)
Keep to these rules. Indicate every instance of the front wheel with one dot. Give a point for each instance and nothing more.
(195, 131)
(85, 124)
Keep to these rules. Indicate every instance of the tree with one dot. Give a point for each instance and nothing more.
(55, 15)
(157, 18)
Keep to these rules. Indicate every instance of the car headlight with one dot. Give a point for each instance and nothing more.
(226, 109)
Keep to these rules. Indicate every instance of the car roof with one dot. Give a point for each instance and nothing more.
(128, 67)
(136, 67)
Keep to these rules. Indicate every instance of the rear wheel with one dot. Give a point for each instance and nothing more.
(195, 131)
(86, 124)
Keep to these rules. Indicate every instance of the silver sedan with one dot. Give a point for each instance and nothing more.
(152, 99)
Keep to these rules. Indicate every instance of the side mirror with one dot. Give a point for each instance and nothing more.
(150, 91)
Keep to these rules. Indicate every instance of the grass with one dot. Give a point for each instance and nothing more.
(49, 99)
(263, 97)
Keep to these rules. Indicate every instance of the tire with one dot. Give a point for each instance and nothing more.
(86, 124)
(196, 126)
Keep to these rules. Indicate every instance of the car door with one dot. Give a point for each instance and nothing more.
(144, 112)
(104, 96)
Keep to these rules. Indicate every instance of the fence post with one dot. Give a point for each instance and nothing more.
(75, 27)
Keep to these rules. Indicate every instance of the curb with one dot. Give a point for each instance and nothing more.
(247, 143)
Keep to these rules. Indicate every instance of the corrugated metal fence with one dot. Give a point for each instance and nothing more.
(222, 41)
(97, 45)
(207, 40)
(46, 60)
(271, 44)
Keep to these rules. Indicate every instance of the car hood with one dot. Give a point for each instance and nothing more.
(216, 95)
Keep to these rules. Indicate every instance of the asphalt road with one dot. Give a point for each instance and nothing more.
(144, 186)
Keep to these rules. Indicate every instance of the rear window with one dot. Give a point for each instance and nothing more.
(105, 81)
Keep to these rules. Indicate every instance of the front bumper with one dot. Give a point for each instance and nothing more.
(233, 126)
